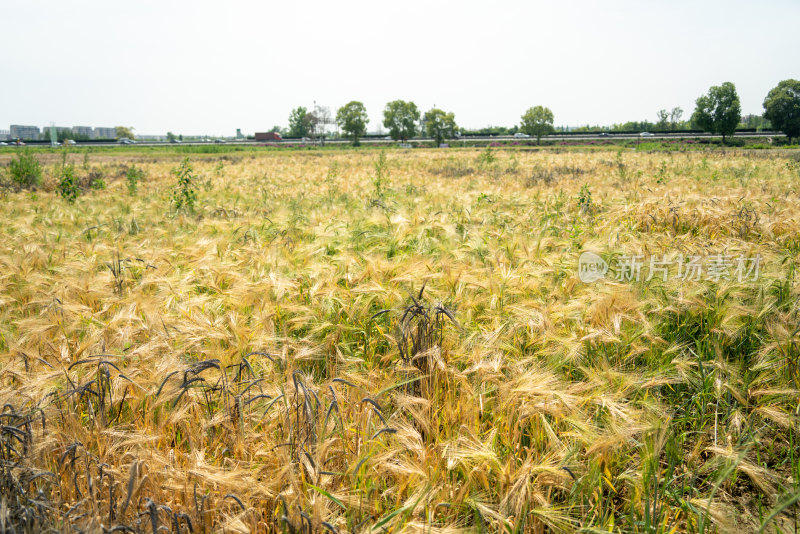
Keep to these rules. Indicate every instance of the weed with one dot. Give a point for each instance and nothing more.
(487, 156)
(184, 196)
(68, 183)
(25, 170)
(133, 176)
(381, 174)
(584, 200)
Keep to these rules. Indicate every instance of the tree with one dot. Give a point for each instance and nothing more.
(718, 111)
(171, 137)
(675, 117)
(352, 118)
(537, 121)
(440, 125)
(124, 132)
(299, 122)
(782, 108)
(663, 119)
(401, 118)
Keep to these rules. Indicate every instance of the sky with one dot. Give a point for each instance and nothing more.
(202, 67)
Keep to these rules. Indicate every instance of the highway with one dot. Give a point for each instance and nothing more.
(455, 142)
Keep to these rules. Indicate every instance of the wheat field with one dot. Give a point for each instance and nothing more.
(400, 341)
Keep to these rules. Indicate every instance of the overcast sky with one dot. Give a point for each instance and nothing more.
(197, 67)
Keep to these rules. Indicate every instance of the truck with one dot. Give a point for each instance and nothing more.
(268, 136)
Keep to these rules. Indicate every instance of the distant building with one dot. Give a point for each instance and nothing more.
(84, 131)
(104, 133)
(24, 132)
(5, 135)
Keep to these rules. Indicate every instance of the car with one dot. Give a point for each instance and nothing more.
(56, 143)
(70, 142)
(3, 143)
(220, 141)
(175, 141)
(646, 134)
(126, 141)
(520, 134)
(604, 134)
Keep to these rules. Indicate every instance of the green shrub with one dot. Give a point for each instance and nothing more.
(25, 170)
(68, 184)
(95, 180)
(585, 199)
(487, 157)
(133, 177)
(185, 194)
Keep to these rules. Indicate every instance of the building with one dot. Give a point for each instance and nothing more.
(104, 133)
(83, 131)
(24, 132)
(5, 135)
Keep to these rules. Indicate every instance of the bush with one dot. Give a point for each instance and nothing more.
(25, 170)
(185, 194)
(68, 184)
(133, 176)
(95, 180)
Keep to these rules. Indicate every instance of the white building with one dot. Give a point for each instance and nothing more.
(24, 132)
(104, 133)
(5, 135)
(85, 131)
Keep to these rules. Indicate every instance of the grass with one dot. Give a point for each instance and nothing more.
(364, 341)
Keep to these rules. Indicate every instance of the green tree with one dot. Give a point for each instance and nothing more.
(124, 132)
(440, 125)
(675, 117)
(537, 121)
(782, 108)
(171, 137)
(719, 110)
(663, 119)
(352, 118)
(401, 118)
(299, 122)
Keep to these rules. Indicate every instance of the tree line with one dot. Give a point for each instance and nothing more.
(718, 112)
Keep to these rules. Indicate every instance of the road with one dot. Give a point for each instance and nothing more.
(453, 142)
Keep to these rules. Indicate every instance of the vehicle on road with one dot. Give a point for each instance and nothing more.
(70, 142)
(604, 134)
(3, 143)
(268, 136)
(646, 134)
(126, 141)
(520, 134)
(219, 141)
